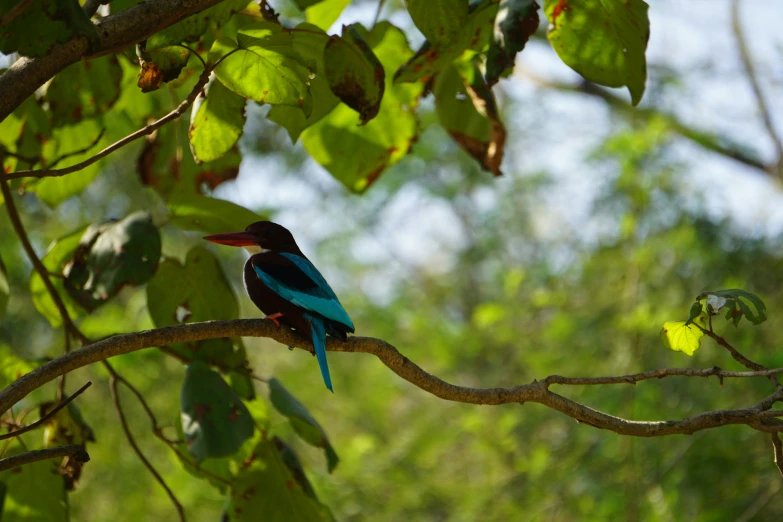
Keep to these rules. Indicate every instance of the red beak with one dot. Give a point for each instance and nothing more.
(238, 239)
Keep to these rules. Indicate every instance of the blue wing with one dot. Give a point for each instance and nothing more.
(301, 284)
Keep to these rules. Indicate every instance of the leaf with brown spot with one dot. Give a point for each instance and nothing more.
(433, 57)
(467, 110)
(111, 256)
(515, 23)
(202, 285)
(215, 421)
(354, 73)
(265, 489)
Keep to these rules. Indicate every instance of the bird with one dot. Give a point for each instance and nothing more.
(288, 288)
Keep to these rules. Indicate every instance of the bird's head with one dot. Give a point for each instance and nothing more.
(261, 235)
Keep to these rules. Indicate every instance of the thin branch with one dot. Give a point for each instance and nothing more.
(747, 63)
(45, 418)
(194, 53)
(115, 32)
(777, 446)
(717, 144)
(144, 131)
(80, 151)
(744, 361)
(537, 391)
(16, 223)
(13, 13)
(132, 442)
(76, 451)
(657, 374)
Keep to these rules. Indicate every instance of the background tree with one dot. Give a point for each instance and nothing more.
(481, 280)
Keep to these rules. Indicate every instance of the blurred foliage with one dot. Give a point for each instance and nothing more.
(514, 295)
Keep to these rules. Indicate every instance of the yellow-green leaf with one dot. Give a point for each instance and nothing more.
(682, 336)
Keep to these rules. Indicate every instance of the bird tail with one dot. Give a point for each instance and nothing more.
(318, 330)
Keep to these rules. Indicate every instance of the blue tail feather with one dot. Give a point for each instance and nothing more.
(318, 330)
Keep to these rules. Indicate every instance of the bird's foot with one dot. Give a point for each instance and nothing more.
(274, 318)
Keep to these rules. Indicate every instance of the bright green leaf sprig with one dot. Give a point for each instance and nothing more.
(685, 336)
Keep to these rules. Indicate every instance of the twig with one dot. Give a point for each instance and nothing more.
(149, 129)
(378, 12)
(534, 392)
(76, 451)
(718, 144)
(132, 442)
(16, 223)
(13, 13)
(80, 151)
(46, 417)
(657, 374)
(744, 361)
(777, 446)
(144, 131)
(747, 62)
(194, 53)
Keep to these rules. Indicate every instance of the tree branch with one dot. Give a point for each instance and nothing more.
(657, 374)
(717, 144)
(744, 361)
(76, 451)
(115, 32)
(747, 63)
(46, 417)
(777, 446)
(128, 435)
(537, 391)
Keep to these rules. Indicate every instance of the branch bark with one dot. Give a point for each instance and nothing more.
(115, 33)
(46, 417)
(537, 391)
(717, 144)
(76, 451)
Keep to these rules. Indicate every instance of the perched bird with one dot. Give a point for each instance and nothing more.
(288, 288)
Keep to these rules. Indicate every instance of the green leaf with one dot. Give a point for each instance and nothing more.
(55, 261)
(438, 20)
(265, 489)
(12, 366)
(161, 66)
(86, 89)
(515, 23)
(111, 256)
(682, 336)
(166, 165)
(356, 155)
(325, 13)
(5, 289)
(209, 215)
(34, 492)
(744, 300)
(354, 73)
(217, 122)
(42, 24)
(696, 309)
(73, 143)
(467, 109)
(190, 29)
(264, 67)
(197, 291)
(309, 41)
(433, 57)
(214, 420)
(603, 40)
(303, 423)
